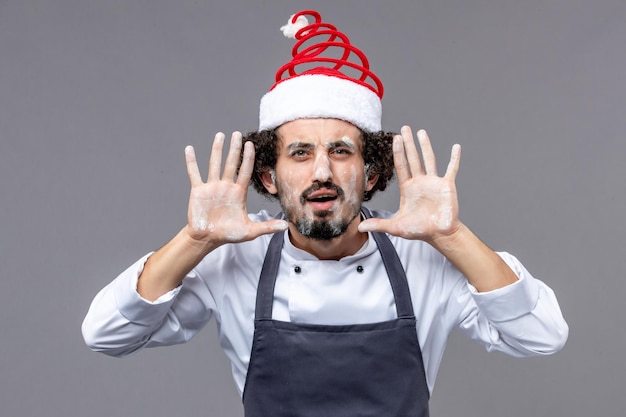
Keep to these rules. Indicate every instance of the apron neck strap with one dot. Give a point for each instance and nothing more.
(391, 261)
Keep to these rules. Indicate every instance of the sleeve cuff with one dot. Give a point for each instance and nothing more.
(512, 301)
(133, 306)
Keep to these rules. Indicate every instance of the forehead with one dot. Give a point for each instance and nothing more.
(318, 131)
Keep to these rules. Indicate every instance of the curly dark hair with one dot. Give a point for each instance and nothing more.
(377, 153)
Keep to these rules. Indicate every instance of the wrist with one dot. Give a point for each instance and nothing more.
(451, 240)
(166, 268)
(199, 246)
(480, 265)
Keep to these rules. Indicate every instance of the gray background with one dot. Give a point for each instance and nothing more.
(99, 98)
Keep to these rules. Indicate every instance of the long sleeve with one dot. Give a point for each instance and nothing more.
(120, 322)
(521, 319)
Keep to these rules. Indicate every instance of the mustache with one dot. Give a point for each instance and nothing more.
(319, 185)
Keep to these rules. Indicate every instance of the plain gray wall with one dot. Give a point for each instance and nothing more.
(99, 98)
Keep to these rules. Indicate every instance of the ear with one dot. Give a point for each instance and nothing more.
(268, 182)
(372, 179)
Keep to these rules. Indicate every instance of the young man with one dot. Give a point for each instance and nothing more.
(327, 309)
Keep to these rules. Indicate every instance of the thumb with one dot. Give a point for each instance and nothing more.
(371, 225)
(270, 226)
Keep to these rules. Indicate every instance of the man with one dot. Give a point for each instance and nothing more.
(330, 308)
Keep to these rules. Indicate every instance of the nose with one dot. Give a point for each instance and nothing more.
(321, 168)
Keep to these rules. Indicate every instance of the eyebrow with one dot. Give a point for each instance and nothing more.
(300, 145)
(331, 145)
(341, 143)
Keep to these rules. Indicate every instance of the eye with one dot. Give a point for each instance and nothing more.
(299, 153)
(341, 152)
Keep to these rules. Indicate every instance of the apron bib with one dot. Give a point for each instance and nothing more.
(309, 370)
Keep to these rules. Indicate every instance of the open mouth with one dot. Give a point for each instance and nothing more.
(321, 200)
(322, 196)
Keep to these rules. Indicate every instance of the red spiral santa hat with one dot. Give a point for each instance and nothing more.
(335, 80)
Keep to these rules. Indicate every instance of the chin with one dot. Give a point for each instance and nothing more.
(321, 229)
(322, 214)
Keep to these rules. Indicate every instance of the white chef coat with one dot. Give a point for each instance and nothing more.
(522, 319)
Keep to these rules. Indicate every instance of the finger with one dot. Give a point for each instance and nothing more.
(247, 165)
(234, 156)
(372, 225)
(192, 166)
(430, 164)
(455, 161)
(410, 149)
(399, 160)
(267, 227)
(215, 162)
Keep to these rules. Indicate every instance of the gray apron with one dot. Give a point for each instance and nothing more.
(310, 370)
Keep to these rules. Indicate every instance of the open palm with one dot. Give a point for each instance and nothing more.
(217, 208)
(428, 203)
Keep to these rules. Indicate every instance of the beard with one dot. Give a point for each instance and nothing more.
(319, 227)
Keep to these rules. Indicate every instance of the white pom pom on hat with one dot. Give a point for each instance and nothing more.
(292, 27)
(325, 89)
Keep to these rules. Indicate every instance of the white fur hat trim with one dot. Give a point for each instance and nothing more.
(311, 96)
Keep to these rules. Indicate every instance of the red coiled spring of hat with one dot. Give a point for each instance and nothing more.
(300, 29)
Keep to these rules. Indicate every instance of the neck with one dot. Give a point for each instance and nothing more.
(348, 243)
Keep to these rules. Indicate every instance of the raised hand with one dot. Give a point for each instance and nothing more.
(217, 211)
(428, 203)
